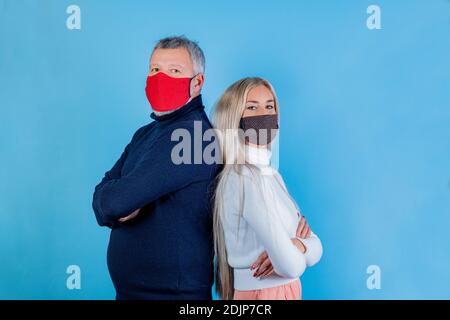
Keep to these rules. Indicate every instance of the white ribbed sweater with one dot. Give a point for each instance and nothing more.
(269, 221)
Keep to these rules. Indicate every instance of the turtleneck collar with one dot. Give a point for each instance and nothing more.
(259, 156)
(194, 104)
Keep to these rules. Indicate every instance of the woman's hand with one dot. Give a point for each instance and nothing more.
(303, 229)
(263, 266)
(300, 246)
(130, 216)
(303, 232)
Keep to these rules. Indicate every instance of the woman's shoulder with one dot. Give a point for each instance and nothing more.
(235, 179)
(240, 173)
(251, 172)
(243, 177)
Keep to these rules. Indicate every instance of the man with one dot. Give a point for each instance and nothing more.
(161, 244)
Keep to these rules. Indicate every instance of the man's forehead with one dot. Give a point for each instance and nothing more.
(171, 56)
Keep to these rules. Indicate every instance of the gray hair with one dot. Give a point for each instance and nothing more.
(197, 56)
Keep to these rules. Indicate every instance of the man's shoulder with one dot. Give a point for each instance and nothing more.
(191, 126)
(196, 120)
(139, 132)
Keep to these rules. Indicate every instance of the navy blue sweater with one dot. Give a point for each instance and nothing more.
(166, 252)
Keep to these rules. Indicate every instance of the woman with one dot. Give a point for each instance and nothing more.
(262, 244)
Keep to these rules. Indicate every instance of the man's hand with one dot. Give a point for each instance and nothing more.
(130, 216)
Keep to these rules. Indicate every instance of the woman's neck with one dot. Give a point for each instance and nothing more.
(257, 155)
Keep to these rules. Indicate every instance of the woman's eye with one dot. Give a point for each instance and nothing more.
(251, 107)
(269, 107)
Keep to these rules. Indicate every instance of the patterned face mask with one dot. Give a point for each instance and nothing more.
(265, 128)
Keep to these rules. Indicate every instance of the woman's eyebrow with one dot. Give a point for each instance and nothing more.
(271, 100)
(252, 101)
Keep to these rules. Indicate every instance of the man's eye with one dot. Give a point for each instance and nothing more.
(154, 69)
(251, 107)
(174, 70)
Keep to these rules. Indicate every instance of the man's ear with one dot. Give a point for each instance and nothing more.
(197, 84)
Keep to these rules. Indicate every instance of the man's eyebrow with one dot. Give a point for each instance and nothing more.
(176, 65)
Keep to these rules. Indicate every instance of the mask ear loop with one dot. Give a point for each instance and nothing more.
(278, 116)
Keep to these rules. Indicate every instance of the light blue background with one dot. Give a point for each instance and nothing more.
(364, 142)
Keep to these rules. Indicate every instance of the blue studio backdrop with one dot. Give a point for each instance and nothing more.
(364, 142)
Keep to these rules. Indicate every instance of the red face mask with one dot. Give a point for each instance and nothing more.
(166, 93)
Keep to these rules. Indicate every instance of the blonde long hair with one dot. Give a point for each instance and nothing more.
(227, 115)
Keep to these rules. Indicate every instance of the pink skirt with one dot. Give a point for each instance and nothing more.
(289, 291)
